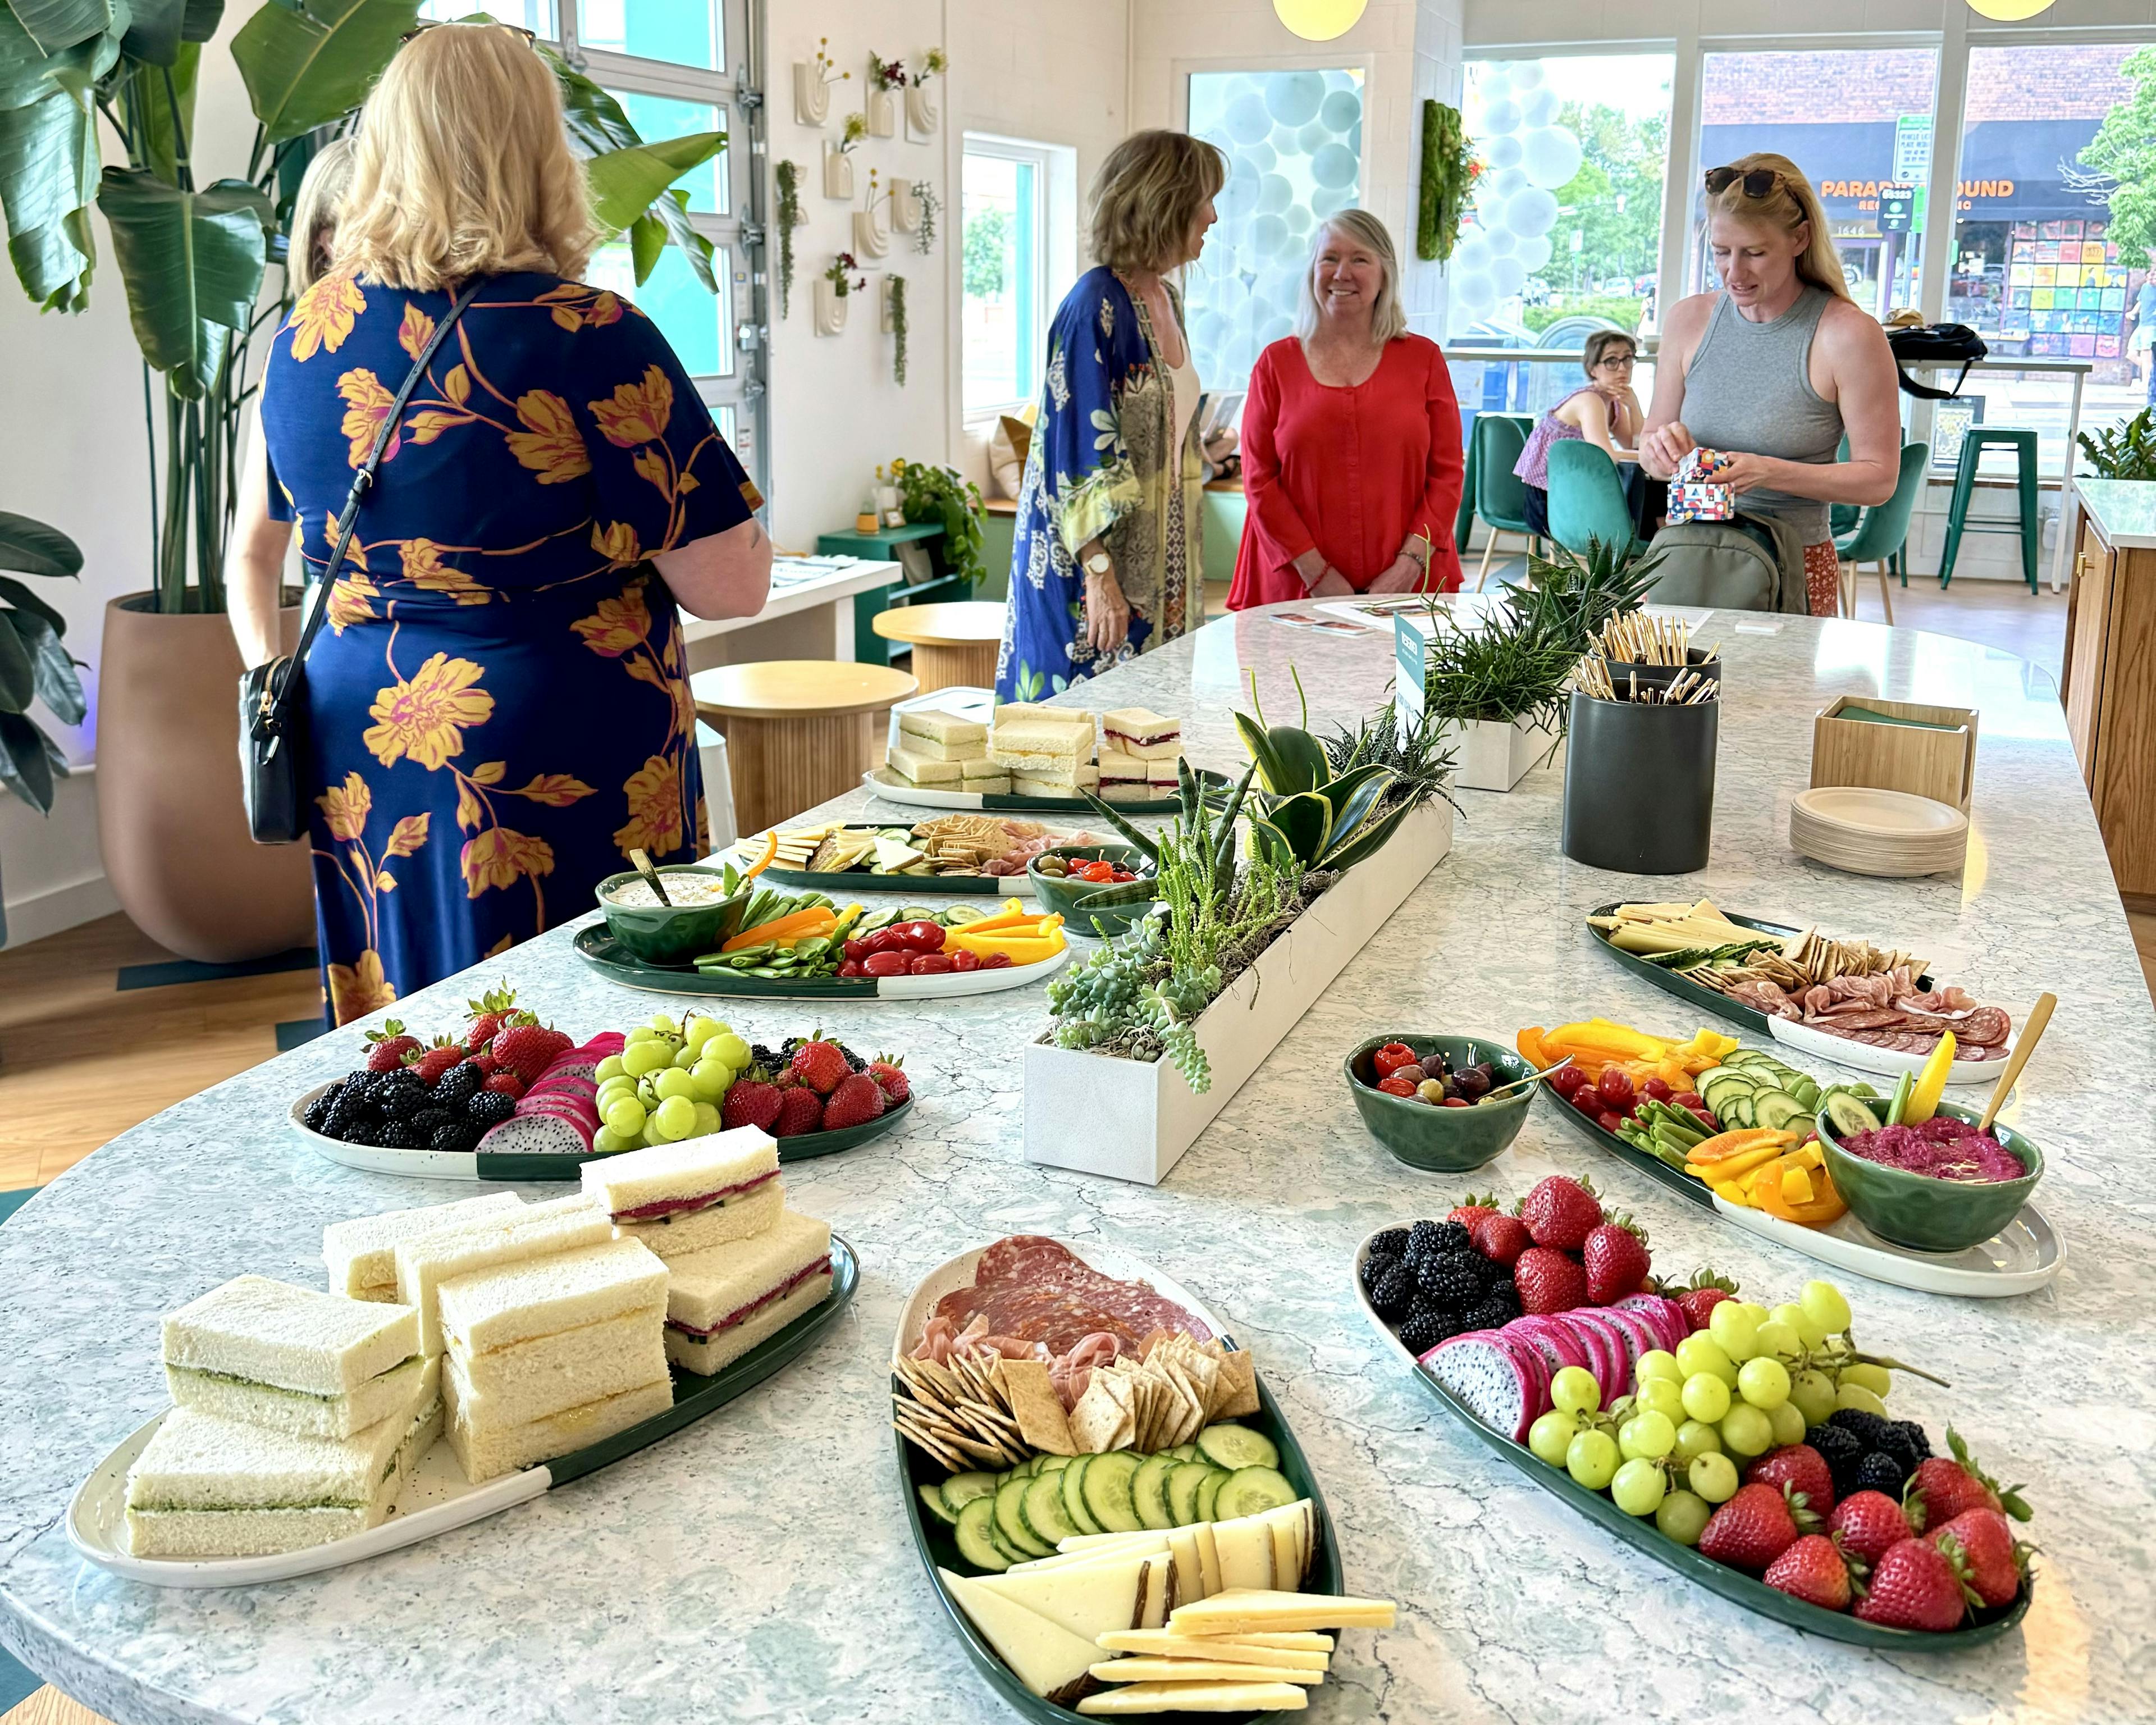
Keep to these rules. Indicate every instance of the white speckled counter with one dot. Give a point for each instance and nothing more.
(758, 1566)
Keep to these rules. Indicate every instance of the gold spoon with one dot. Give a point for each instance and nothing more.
(640, 860)
(2032, 1027)
(1532, 1078)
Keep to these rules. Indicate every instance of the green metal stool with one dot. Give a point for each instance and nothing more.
(1974, 443)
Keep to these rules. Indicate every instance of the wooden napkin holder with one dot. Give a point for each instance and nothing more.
(1940, 764)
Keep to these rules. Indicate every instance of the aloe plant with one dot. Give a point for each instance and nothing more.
(1307, 813)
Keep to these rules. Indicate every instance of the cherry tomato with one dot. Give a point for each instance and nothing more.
(886, 964)
(1609, 1122)
(1395, 1086)
(1654, 1090)
(996, 961)
(1588, 1100)
(1616, 1088)
(963, 961)
(929, 964)
(1566, 1080)
(852, 968)
(1687, 1099)
(924, 937)
(884, 939)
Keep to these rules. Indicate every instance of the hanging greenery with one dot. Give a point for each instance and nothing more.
(924, 231)
(1449, 168)
(788, 176)
(897, 292)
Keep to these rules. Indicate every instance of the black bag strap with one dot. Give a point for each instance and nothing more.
(276, 699)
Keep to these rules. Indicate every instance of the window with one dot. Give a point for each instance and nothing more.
(536, 16)
(1855, 120)
(1004, 249)
(682, 32)
(1294, 145)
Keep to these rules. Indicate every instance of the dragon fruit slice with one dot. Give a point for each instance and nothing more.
(581, 1062)
(559, 1114)
(1622, 1345)
(1666, 1315)
(1644, 1332)
(1558, 1346)
(1603, 1357)
(1495, 1380)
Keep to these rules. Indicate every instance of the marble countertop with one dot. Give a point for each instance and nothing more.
(2124, 510)
(757, 1566)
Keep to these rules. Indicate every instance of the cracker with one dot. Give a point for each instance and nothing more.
(1097, 1418)
(1029, 1390)
(1239, 1378)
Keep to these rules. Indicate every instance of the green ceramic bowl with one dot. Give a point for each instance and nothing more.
(1925, 1213)
(1062, 896)
(659, 934)
(1438, 1140)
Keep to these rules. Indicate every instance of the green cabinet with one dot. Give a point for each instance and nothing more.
(883, 547)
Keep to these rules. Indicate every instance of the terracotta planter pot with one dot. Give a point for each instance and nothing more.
(170, 823)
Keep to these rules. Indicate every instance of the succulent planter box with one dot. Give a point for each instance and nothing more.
(1495, 757)
(1132, 1119)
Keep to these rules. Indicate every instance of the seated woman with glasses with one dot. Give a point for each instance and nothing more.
(1775, 366)
(1603, 411)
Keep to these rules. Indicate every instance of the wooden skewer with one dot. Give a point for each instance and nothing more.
(2032, 1028)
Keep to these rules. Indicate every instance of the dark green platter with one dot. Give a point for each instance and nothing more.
(839, 881)
(933, 1541)
(598, 949)
(878, 783)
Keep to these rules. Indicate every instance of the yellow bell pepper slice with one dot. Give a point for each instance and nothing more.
(1013, 911)
(1732, 1191)
(1618, 1041)
(1931, 1082)
(1796, 1183)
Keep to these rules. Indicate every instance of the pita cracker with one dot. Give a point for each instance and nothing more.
(1030, 1392)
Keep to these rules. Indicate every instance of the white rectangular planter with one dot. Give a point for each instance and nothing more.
(1492, 757)
(1132, 1119)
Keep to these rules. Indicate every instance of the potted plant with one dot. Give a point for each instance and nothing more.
(2124, 452)
(839, 282)
(193, 256)
(921, 117)
(811, 84)
(34, 665)
(1267, 891)
(886, 84)
(929, 493)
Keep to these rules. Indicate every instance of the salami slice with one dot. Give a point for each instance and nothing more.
(1035, 1290)
(1870, 1018)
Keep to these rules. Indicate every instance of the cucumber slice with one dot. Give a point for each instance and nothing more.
(1232, 1446)
(1107, 1491)
(917, 913)
(960, 915)
(1149, 1491)
(960, 1489)
(875, 920)
(1848, 1117)
(1208, 1489)
(1184, 1452)
(1041, 1507)
(932, 1496)
(975, 1545)
(1182, 1483)
(1072, 1479)
(1900, 1104)
(1746, 1057)
(1010, 1521)
(1251, 1491)
(1011, 1554)
(1050, 1464)
(1776, 1109)
(1738, 1112)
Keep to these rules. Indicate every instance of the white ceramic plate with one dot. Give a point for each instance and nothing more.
(1863, 813)
(1886, 1062)
(2022, 1257)
(421, 1164)
(1362, 1298)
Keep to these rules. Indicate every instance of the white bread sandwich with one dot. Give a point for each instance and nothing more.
(1028, 745)
(362, 1253)
(537, 1231)
(941, 737)
(485, 1451)
(1165, 771)
(208, 1487)
(1012, 712)
(1062, 784)
(974, 772)
(723, 1302)
(920, 769)
(1122, 776)
(1139, 730)
(291, 1359)
(701, 1192)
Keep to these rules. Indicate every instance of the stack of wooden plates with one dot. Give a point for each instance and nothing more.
(1873, 832)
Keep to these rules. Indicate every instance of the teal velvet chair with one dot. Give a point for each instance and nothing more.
(1883, 530)
(1500, 496)
(1586, 498)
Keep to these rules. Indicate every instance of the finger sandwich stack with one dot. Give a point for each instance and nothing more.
(1139, 755)
(942, 751)
(1049, 751)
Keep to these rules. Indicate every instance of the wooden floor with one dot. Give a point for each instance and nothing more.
(48, 1707)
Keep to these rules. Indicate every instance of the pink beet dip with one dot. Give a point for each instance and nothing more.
(1941, 1149)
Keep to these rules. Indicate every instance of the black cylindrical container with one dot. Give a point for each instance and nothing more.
(1639, 785)
(1662, 675)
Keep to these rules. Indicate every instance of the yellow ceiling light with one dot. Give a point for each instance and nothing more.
(1321, 20)
(2009, 12)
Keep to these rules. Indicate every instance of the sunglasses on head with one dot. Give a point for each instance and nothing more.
(422, 28)
(1758, 183)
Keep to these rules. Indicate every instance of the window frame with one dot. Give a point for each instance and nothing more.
(1042, 158)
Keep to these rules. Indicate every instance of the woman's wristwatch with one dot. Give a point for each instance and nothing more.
(1100, 563)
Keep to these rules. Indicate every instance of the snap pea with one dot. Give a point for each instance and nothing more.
(767, 971)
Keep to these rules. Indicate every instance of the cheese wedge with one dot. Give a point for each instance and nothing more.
(1198, 1699)
(1157, 1546)
(1290, 1551)
(1047, 1658)
(896, 854)
(1208, 1557)
(1240, 1611)
(1088, 1599)
(920, 768)
(1189, 1571)
(1245, 1547)
(1142, 1668)
(1297, 1641)
(1160, 1598)
(1165, 1644)
(1150, 1540)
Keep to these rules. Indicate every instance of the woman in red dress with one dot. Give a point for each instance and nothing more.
(1351, 438)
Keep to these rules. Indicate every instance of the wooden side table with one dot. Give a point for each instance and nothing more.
(884, 545)
(953, 645)
(798, 731)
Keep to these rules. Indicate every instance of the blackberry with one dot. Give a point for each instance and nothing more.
(428, 1120)
(459, 1135)
(1879, 1472)
(1489, 1314)
(403, 1096)
(1392, 1243)
(1895, 1441)
(852, 1059)
(489, 1107)
(1507, 1295)
(1449, 1282)
(1864, 1427)
(399, 1135)
(1374, 1271)
(1422, 1241)
(316, 1115)
(1836, 1444)
(770, 1060)
(363, 1132)
(459, 1084)
(1393, 1297)
(1424, 1332)
(1917, 1445)
(1454, 1237)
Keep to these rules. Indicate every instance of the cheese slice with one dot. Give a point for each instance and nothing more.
(1144, 1669)
(1245, 1547)
(1125, 1546)
(1165, 1644)
(1160, 1598)
(1198, 1699)
(1189, 1571)
(920, 768)
(1048, 1659)
(1297, 1641)
(1290, 1555)
(1208, 1557)
(1249, 1610)
(896, 854)
(1088, 1599)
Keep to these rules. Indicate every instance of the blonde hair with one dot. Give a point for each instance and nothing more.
(1790, 204)
(1148, 193)
(463, 167)
(1597, 346)
(1388, 318)
(314, 215)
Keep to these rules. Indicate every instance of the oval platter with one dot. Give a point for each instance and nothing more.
(901, 886)
(597, 947)
(939, 1550)
(1733, 1585)
(882, 781)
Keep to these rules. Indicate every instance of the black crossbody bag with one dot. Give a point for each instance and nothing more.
(273, 696)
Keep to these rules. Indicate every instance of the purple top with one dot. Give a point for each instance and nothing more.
(1533, 464)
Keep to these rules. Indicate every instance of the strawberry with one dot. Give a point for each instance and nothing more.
(820, 1065)
(388, 1047)
(1980, 1544)
(1615, 1255)
(503, 1084)
(857, 1099)
(1705, 1291)
(485, 1062)
(1755, 1527)
(1501, 1239)
(1802, 1468)
(1914, 1586)
(1471, 1209)
(526, 1047)
(889, 1071)
(1813, 1570)
(750, 1101)
(1869, 1524)
(1562, 1213)
(800, 1110)
(432, 1062)
(1548, 1281)
(1942, 1488)
(487, 1012)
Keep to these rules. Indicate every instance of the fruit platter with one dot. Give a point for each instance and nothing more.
(949, 854)
(1840, 1000)
(1749, 1449)
(1732, 1128)
(503, 1097)
(1106, 1498)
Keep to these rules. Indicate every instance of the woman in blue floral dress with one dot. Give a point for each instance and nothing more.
(498, 708)
(1105, 562)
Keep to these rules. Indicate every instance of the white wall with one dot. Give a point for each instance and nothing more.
(1503, 23)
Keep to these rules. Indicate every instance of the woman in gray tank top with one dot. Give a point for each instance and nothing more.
(1774, 367)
